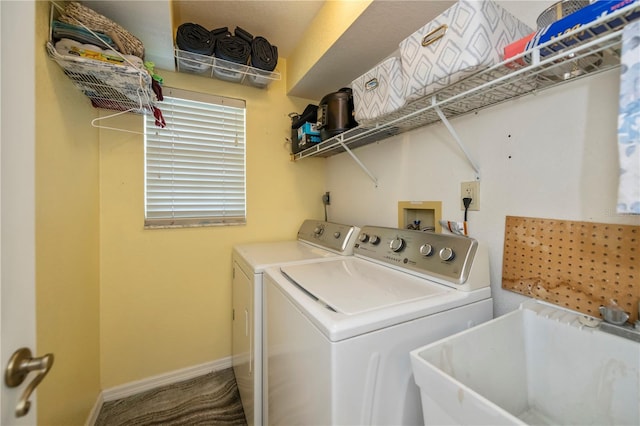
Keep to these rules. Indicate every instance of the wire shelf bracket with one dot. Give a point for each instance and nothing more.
(455, 136)
(360, 163)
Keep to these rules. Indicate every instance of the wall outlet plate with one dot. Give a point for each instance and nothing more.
(470, 190)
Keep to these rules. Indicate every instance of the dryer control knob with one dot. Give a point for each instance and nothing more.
(363, 238)
(447, 254)
(336, 234)
(375, 240)
(396, 245)
(318, 230)
(426, 250)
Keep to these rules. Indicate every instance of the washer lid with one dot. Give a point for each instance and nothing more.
(353, 286)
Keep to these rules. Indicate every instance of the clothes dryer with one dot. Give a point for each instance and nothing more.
(339, 332)
(316, 241)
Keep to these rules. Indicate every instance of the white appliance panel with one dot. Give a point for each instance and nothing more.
(352, 286)
(251, 260)
(366, 379)
(339, 332)
(339, 326)
(317, 241)
(290, 342)
(242, 339)
(260, 256)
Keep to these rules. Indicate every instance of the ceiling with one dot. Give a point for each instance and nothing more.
(374, 36)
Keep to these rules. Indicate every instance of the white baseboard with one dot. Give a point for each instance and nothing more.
(93, 415)
(175, 376)
(139, 386)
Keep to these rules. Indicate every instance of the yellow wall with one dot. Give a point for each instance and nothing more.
(166, 294)
(117, 303)
(67, 240)
(333, 19)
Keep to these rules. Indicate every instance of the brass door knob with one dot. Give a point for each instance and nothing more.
(19, 366)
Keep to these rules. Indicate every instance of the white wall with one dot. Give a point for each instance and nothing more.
(550, 155)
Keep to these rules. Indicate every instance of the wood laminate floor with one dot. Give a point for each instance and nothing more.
(212, 399)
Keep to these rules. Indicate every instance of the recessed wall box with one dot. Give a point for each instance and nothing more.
(423, 215)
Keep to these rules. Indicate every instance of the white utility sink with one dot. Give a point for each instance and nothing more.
(537, 365)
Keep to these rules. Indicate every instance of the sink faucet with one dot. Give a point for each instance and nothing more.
(615, 322)
(613, 314)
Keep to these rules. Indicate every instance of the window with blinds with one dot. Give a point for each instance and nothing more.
(195, 166)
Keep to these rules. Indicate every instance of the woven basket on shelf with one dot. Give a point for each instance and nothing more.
(559, 10)
(127, 43)
(572, 67)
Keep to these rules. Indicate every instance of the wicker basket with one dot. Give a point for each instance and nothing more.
(559, 10)
(572, 67)
(75, 13)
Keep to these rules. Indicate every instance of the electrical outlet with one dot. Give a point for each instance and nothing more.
(470, 190)
(326, 200)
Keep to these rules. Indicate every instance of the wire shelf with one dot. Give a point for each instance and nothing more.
(585, 51)
(109, 86)
(211, 66)
(121, 87)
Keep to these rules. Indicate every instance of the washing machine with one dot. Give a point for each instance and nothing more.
(316, 241)
(338, 333)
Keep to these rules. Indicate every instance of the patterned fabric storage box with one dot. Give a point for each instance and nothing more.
(467, 37)
(378, 92)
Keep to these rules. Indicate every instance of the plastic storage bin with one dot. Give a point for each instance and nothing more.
(259, 78)
(467, 37)
(193, 62)
(229, 71)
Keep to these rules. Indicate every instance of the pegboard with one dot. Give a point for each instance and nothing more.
(578, 265)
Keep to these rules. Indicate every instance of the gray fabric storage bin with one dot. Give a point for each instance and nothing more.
(379, 91)
(467, 37)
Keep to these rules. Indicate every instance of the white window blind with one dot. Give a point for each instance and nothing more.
(195, 166)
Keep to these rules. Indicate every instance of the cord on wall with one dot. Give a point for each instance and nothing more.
(467, 202)
(326, 200)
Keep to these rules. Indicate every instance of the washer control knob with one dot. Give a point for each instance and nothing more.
(375, 240)
(318, 230)
(426, 250)
(336, 235)
(363, 238)
(447, 254)
(396, 245)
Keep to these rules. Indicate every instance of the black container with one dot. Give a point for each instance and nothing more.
(309, 114)
(335, 113)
